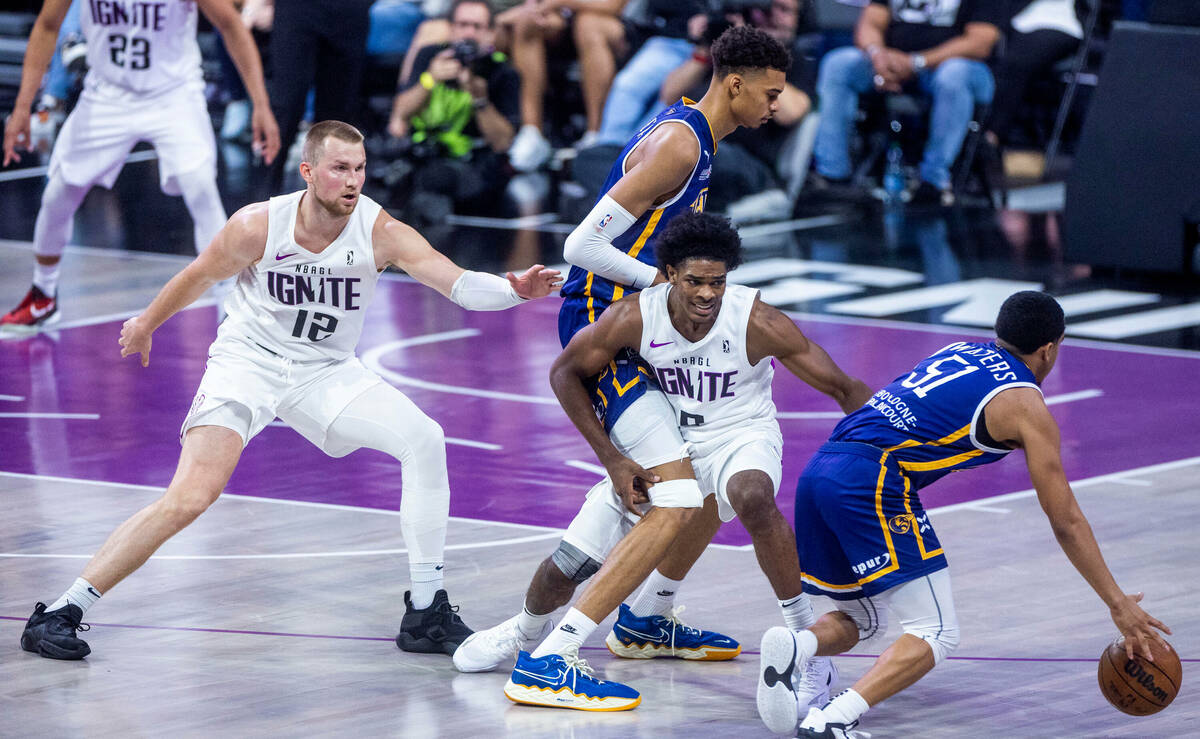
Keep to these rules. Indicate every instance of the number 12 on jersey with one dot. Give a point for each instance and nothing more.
(321, 323)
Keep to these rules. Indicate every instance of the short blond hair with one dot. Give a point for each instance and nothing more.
(314, 141)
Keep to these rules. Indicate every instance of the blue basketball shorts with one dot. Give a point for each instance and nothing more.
(860, 528)
(626, 377)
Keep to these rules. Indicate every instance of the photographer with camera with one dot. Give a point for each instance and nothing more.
(457, 112)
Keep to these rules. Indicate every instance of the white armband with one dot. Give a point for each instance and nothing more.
(590, 246)
(481, 291)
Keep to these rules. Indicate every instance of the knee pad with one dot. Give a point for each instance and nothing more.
(941, 636)
(573, 563)
(868, 614)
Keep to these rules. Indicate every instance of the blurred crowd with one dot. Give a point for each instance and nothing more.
(513, 107)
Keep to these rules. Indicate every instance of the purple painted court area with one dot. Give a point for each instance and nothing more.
(1136, 421)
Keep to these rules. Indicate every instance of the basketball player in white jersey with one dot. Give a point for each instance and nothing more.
(144, 83)
(710, 349)
(306, 266)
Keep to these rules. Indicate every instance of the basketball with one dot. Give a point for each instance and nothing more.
(1138, 687)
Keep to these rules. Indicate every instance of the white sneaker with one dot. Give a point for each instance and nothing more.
(587, 140)
(529, 150)
(781, 663)
(816, 724)
(484, 650)
(816, 683)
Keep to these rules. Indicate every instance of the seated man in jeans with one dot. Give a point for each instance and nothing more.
(940, 47)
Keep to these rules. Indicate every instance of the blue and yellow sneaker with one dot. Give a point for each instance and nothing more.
(634, 637)
(566, 681)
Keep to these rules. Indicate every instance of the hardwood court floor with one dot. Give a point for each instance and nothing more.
(275, 614)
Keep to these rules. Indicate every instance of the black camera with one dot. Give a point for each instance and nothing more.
(482, 62)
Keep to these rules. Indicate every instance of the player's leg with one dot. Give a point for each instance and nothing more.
(595, 530)
(381, 417)
(925, 609)
(209, 456)
(90, 149)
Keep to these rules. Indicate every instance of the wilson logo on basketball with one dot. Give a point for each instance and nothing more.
(1134, 669)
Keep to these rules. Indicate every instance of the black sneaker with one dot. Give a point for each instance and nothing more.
(52, 633)
(433, 630)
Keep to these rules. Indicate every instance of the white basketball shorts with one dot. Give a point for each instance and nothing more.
(100, 132)
(245, 387)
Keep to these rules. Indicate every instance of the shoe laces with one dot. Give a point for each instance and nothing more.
(812, 675)
(505, 638)
(677, 625)
(577, 666)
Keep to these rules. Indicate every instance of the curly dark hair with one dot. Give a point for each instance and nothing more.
(1029, 320)
(698, 236)
(743, 48)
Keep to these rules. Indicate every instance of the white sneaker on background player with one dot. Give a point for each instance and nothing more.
(485, 650)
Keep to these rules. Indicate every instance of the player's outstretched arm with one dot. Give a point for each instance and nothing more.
(1020, 416)
(658, 168)
(38, 53)
(588, 352)
(398, 244)
(772, 334)
(240, 44)
(236, 246)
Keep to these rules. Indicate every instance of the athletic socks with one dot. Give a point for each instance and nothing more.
(846, 708)
(569, 635)
(530, 624)
(798, 612)
(45, 277)
(656, 597)
(81, 594)
(807, 642)
(426, 581)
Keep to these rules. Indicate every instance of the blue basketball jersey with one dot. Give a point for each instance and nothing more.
(926, 419)
(588, 294)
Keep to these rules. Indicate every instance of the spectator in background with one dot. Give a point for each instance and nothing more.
(745, 166)
(257, 15)
(1041, 34)
(320, 44)
(457, 112)
(600, 38)
(633, 99)
(940, 48)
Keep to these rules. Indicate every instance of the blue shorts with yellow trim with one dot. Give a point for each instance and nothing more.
(860, 528)
(623, 381)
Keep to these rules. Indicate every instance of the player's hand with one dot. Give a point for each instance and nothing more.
(16, 133)
(537, 282)
(631, 482)
(266, 133)
(1137, 626)
(135, 339)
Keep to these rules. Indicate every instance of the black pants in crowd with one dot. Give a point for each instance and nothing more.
(1028, 56)
(319, 44)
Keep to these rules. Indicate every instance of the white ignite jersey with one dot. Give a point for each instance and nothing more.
(139, 48)
(711, 383)
(299, 304)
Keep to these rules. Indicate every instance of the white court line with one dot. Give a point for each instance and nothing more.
(65, 416)
(302, 555)
(808, 415)
(1134, 483)
(449, 439)
(1086, 482)
(990, 509)
(104, 251)
(17, 398)
(1072, 397)
(309, 504)
(28, 173)
(586, 467)
(124, 315)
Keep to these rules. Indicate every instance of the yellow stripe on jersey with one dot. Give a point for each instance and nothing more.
(887, 533)
(939, 464)
(692, 104)
(827, 586)
(916, 527)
